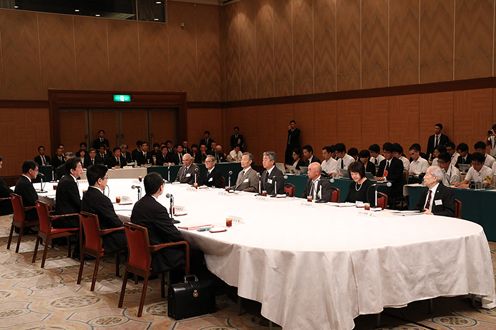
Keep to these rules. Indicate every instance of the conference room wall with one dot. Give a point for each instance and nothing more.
(406, 119)
(284, 48)
(42, 50)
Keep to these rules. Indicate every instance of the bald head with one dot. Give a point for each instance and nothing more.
(187, 159)
(314, 170)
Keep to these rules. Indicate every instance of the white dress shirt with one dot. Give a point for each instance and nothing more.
(406, 163)
(330, 166)
(472, 174)
(345, 161)
(379, 158)
(418, 166)
(451, 176)
(234, 156)
(489, 161)
(454, 158)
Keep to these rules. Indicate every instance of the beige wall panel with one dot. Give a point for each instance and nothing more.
(303, 46)
(325, 46)
(154, 56)
(247, 42)
(349, 122)
(472, 113)
(283, 48)
(403, 118)
(265, 49)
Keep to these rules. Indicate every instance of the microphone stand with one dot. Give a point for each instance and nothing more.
(42, 190)
(171, 208)
(275, 186)
(168, 173)
(229, 179)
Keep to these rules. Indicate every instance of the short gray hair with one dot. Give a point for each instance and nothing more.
(212, 158)
(271, 155)
(249, 154)
(436, 172)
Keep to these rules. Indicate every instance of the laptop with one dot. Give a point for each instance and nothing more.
(464, 167)
(281, 167)
(303, 169)
(290, 169)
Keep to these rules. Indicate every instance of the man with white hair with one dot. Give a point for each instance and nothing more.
(248, 179)
(189, 172)
(438, 199)
(317, 187)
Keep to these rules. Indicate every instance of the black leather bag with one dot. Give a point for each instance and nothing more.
(192, 298)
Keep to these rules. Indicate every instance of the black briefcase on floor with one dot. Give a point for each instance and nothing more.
(192, 298)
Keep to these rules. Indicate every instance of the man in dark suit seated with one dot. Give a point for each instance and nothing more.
(318, 187)
(149, 213)
(248, 179)
(176, 157)
(91, 159)
(125, 153)
(59, 157)
(308, 155)
(212, 177)
(42, 159)
(102, 156)
(24, 187)
(272, 177)
(100, 140)
(188, 173)
(67, 196)
(5, 191)
(437, 139)
(143, 157)
(95, 202)
(391, 169)
(117, 160)
(439, 199)
(219, 154)
(464, 157)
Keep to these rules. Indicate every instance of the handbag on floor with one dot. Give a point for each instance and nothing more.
(193, 297)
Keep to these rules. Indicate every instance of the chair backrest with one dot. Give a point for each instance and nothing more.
(382, 200)
(43, 217)
(289, 189)
(90, 226)
(17, 208)
(335, 194)
(138, 246)
(458, 208)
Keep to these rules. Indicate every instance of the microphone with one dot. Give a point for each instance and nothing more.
(275, 185)
(139, 190)
(171, 207)
(229, 179)
(375, 185)
(135, 187)
(41, 176)
(259, 185)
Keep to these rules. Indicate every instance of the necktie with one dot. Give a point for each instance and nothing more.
(43, 160)
(314, 188)
(342, 164)
(118, 160)
(428, 202)
(93, 161)
(375, 161)
(387, 165)
(436, 141)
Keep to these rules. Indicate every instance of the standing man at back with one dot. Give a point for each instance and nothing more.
(292, 142)
(437, 139)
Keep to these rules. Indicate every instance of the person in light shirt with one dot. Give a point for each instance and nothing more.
(482, 147)
(478, 172)
(398, 153)
(437, 151)
(418, 165)
(451, 173)
(451, 149)
(375, 155)
(344, 160)
(438, 199)
(329, 164)
(235, 155)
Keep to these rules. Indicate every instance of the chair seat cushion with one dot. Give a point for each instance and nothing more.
(61, 230)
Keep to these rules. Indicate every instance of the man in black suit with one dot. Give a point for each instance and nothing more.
(91, 159)
(24, 187)
(237, 139)
(464, 157)
(42, 159)
(437, 139)
(292, 142)
(272, 177)
(219, 154)
(438, 199)
(317, 186)
(188, 173)
(135, 153)
(67, 196)
(5, 191)
(94, 201)
(59, 157)
(391, 170)
(207, 140)
(102, 156)
(100, 140)
(117, 160)
(308, 155)
(125, 153)
(149, 213)
(212, 177)
(176, 157)
(144, 156)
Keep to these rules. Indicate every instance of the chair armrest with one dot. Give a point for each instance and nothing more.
(4, 198)
(27, 208)
(157, 247)
(61, 216)
(111, 230)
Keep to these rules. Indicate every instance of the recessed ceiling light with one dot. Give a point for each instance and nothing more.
(158, 2)
(155, 19)
(16, 7)
(76, 10)
(98, 15)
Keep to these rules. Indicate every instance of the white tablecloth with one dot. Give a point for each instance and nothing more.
(316, 266)
(123, 173)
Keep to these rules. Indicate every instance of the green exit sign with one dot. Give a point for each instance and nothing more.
(122, 98)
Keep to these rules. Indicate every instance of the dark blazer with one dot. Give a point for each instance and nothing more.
(112, 161)
(370, 167)
(207, 143)
(323, 190)
(221, 158)
(5, 191)
(56, 162)
(87, 162)
(67, 201)
(149, 213)
(97, 143)
(365, 194)
(25, 189)
(443, 140)
(94, 201)
(314, 159)
(48, 160)
(128, 157)
(237, 140)
(444, 194)
(293, 139)
(102, 159)
(188, 175)
(395, 176)
(142, 159)
(268, 182)
(214, 179)
(468, 160)
(174, 157)
(135, 153)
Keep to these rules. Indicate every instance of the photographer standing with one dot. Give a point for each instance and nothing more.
(491, 140)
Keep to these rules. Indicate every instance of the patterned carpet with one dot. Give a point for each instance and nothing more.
(35, 298)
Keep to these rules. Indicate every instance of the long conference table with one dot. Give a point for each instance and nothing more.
(318, 266)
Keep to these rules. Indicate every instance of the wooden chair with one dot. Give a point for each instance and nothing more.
(19, 219)
(382, 200)
(140, 259)
(89, 229)
(289, 189)
(458, 208)
(47, 233)
(335, 194)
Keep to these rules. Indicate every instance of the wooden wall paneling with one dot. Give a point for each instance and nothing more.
(283, 48)
(436, 40)
(349, 122)
(232, 83)
(162, 124)
(20, 55)
(403, 42)
(92, 58)
(303, 46)
(305, 119)
(246, 119)
(123, 44)
(403, 118)
(324, 12)
(435, 108)
(473, 38)
(494, 106)
(348, 44)
(205, 119)
(374, 43)
(58, 57)
(325, 125)
(73, 128)
(154, 56)
(183, 62)
(248, 51)
(472, 115)
(133, 127)
(208, 43)
(108, 121)
(265, 49)
(375, 120)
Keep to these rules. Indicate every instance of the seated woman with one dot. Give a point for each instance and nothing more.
(364, 158)
(435, 154)
(359, 188)
(297, 161)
